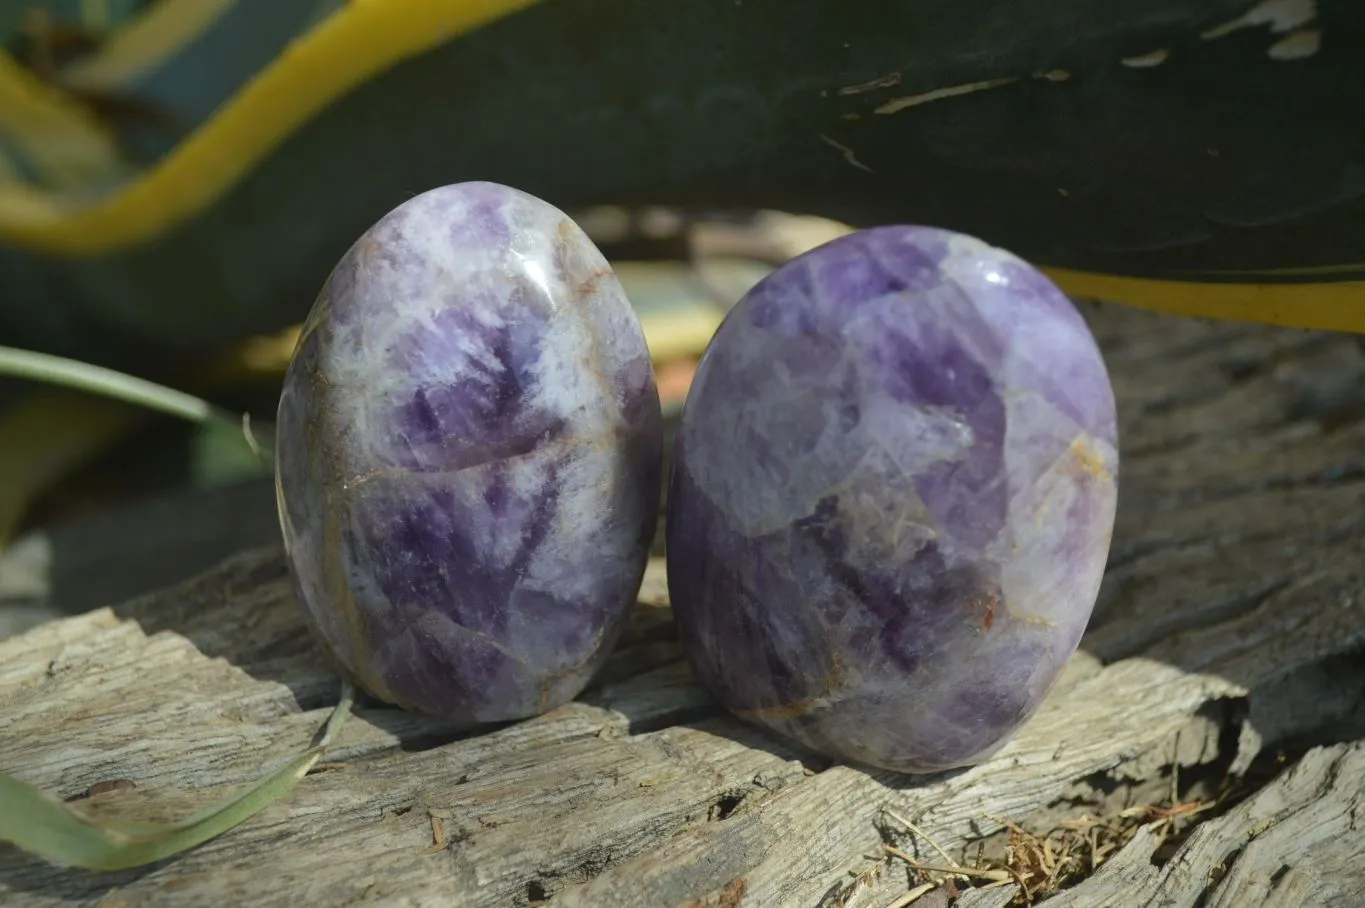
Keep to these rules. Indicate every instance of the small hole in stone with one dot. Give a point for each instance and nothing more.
(725, 806)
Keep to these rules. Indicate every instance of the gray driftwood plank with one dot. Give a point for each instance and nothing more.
(1298, 841)
(1231, 625)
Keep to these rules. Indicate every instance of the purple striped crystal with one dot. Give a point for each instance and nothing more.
(892, 498)
(469, 455)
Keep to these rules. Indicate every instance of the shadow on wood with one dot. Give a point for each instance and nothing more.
(1230, 628)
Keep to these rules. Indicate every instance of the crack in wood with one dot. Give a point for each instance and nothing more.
(1242, 621)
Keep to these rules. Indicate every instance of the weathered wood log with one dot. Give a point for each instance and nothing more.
(1298, 841)
(1218, 691)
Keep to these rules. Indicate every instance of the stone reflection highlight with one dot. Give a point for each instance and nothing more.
(892, 498)
(469, 457)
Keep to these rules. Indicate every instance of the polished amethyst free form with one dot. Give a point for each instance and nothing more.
(892, 498)
(468, 458)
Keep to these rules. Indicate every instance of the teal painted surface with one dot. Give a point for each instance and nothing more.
(1220, 158)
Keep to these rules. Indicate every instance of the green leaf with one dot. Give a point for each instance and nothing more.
(42, 825)
(70, 373)
(218, 456)
(45, 434)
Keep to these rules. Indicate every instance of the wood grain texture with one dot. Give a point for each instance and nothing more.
(1231, 627)
(1298, 841)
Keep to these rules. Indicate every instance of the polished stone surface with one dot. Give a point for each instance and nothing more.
(892, 498)
(469, 457)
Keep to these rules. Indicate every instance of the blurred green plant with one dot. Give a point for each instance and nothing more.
(177, 177)
(52, 425)
(85, 407)
(71, 837)
(1201, 158)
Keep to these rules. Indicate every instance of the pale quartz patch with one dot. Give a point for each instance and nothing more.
(892, 500)
(470, 457)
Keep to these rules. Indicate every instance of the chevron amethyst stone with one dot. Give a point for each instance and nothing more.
(469, 456)
(892, 499)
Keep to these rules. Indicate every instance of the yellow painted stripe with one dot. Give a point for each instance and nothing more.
(345, 50)
(144, 43)
(366, 36)
(64, 141)
(1338, 306)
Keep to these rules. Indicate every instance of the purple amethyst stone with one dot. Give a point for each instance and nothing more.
(469, 456)
(892, 499)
